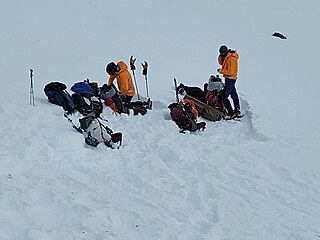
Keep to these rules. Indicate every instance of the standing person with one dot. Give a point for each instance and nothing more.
(124, 79)
(228, 59)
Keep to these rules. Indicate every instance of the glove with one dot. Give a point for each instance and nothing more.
(132, 61)
(221, 59)
(145, 68)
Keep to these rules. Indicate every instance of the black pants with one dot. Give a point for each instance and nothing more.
(128, 99)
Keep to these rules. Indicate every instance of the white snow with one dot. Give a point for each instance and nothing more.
(254, 179)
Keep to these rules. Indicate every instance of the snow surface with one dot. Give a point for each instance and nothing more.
(254, 179)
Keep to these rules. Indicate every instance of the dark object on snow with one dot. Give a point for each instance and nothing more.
(181, 114)
(279, 35)
(57, 94)
(195, 92)
(85, 103)
(139, 106)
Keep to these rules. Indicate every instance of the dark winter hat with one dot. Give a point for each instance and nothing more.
(223, 49)
(111, 68)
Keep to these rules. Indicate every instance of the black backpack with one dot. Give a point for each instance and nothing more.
(195, 92)
(86, 104)
(57, 94)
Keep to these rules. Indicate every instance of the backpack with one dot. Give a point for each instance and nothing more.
(87, 120)
(57, 94)
(181, 114)
(110, 95)
(214, 99)
(112, 140)
(85, 86)
(85, 103)
(195, 92)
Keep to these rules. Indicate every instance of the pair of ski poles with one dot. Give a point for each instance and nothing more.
(31, 88)
(144, 72)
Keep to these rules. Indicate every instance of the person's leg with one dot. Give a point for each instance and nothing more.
(128, 99)
(227, 106)
(229, 85)
(235, 98)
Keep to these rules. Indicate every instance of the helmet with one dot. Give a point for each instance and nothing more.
(111, 68)
(223, 49)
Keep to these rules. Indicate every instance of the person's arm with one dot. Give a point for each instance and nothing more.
(227, 67)
(111, 78)
(220, 59)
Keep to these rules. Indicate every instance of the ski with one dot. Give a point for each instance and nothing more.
(176, 89)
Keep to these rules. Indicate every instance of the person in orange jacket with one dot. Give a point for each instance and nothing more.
(120, 72)
(228, 59)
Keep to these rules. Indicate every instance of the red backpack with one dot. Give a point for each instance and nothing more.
(214, 99)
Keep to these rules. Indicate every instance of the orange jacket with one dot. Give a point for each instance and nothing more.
(229, 65)
(124, 80)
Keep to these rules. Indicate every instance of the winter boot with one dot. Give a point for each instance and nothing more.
(139, 109)
(148, 104)
(236, 104)
(228, 107)
(201, 126)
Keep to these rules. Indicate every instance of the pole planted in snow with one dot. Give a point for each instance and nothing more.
(31, 88)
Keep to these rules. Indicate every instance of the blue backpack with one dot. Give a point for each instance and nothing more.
(57, 94)
(82, 87)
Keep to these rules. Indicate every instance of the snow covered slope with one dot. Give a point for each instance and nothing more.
(228, 182)
(254, 179)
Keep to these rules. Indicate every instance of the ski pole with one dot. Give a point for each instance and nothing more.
(31, 88)
(133, 67)
(74, 126)
(145, 72)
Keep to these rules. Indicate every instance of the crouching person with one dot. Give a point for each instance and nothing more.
(95, 133)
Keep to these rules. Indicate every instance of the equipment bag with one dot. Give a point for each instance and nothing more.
(183, 117)
(86, 104)
(87, 120)
(90, 87)
(99, 132)
(206, 111)
(111, 96)
(214, 99)
(57, 94)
